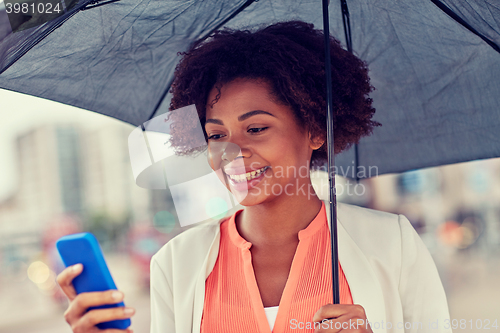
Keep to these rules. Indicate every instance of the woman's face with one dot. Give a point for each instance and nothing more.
(255, 145)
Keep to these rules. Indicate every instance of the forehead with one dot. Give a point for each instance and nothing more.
(243, 95)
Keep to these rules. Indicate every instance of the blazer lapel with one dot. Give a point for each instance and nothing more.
(206, 268)
(365, 288)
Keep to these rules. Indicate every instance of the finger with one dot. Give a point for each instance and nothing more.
(331, 311)
(83, 301)
(94, 317)
(341, 324)
(65, 278)
(114, 330)
(327, 326)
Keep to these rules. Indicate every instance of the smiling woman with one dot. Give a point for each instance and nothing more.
(260, 99)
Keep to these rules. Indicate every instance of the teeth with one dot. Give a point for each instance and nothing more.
(247, 176)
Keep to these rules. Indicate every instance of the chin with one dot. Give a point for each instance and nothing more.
(244, 198)
(253, 199)
(247, 199)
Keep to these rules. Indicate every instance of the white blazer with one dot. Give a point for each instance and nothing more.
(388, 268)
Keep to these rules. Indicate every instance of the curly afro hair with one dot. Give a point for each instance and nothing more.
(290, 57)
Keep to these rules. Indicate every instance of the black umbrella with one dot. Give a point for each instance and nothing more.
(435, 72)
(434, 64)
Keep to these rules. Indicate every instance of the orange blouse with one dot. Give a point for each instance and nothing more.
(232, 298)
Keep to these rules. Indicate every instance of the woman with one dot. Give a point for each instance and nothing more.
(260, 98)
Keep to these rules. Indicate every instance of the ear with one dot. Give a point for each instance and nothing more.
(316, 142)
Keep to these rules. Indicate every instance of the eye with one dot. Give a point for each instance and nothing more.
(257, 129)
(215, 136)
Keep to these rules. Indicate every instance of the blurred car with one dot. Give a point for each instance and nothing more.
(144, 241)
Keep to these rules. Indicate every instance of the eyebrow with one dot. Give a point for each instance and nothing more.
(240, 118)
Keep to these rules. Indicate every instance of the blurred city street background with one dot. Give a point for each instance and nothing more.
(66, 170)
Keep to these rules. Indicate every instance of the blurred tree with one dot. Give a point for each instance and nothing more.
(109, 230)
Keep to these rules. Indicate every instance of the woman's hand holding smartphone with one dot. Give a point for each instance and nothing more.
(77, 316)
(95, 303)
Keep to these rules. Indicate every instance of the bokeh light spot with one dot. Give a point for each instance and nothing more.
(38, 272)
(216, 208)
(164, 221)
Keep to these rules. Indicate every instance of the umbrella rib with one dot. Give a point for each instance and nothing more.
(97, 3)
(230, 17)
(164, 94)
(28, 45)
(457, 18)
(348, 39)
(347, 25)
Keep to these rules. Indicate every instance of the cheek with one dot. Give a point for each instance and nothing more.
(214, 157)
(293, 151)
(215, 152)
(215, 160)
(221, 177)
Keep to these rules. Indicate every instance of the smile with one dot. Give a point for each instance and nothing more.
(245, 177)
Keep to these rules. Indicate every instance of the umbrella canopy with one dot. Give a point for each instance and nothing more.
(435, 66)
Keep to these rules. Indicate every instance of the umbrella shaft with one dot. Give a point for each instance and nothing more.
(331, 152)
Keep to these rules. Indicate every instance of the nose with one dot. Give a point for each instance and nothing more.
(222, 154)
(231, 152)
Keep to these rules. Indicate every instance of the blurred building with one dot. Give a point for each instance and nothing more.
(107, 175)
(70, 170)
(464, 196)
(49, 180)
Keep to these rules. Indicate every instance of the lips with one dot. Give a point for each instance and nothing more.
(242, 182)
(246, 176)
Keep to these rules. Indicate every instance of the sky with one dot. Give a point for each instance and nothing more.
(19, 113)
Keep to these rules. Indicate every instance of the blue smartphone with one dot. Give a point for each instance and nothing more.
(84, 248)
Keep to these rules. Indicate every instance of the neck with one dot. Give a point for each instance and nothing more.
(277, 222)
